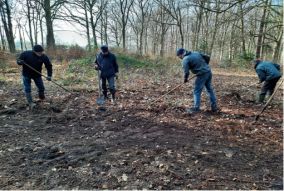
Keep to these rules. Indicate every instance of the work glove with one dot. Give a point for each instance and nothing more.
(20, 62)
(48, 78)
(185, 80)
(258, 85)
(96, 67)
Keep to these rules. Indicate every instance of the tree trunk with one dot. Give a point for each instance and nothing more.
(20, 36)
(105, 26)
(141, 38)
(195, 43)
(215, 29)
(50, 41)
(41, 32)
(261, 31)
(162, 51)
(146, 41)
(93, 26)
(124, 36)
(277, 49)
(242, 29)
(8, 27)
(2, 39)
(30, 22)
(87, 28)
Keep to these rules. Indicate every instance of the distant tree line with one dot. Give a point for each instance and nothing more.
(223, 29)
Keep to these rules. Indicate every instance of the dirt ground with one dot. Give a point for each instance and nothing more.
(67, 142)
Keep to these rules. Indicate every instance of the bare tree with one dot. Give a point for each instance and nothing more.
(5, 13)
(50, 8)
(124, 10)
(261, 30)
(3, 47)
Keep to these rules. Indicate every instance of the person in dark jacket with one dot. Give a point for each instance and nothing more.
(269, 73)
(34, 59)
(106, 63)
(198, 64)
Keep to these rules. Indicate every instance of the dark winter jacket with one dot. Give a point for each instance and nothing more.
(107, 64)
(194, 62)
(31, 59)
(267, 70)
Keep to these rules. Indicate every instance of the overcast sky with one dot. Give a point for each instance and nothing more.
(66, 33)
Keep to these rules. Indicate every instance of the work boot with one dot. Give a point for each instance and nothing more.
(105, 95)
(192, 110)
(41, 96)
(32, 105)
(269, 96)
(113, 98)
(215, 109)
(261, 98)
(30, 100)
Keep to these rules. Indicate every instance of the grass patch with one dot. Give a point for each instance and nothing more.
(136, 61)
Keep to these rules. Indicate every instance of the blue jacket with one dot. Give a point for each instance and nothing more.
(194, 62)
(107, 64)
(267, 70)
(36, 62)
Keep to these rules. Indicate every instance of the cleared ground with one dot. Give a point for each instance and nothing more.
(68, 143)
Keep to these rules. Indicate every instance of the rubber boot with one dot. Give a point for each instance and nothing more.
(215, 109)
(192, 110)
(30, 100)
(269, 96)
(113, 98)
(261, 98)
(41, 96)
(105, 95)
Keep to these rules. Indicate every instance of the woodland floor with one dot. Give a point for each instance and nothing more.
(66, 142)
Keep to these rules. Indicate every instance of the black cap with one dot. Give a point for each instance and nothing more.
(38, 48)
(180, 51)
(104, 48)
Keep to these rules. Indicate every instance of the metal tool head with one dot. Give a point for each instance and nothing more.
(100, 101)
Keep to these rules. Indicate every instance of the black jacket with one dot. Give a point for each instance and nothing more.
(107, 64)
(31, 59)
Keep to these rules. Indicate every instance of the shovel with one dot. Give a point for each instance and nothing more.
(100, 99)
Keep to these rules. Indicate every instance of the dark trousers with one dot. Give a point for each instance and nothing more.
(111, 85)
(38, 82)
(27, 81)
(269, 86)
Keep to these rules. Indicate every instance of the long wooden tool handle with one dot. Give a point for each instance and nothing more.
(269, 100)
(46, 77)
(171, 91)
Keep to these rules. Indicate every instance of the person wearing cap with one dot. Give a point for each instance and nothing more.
(269, 73)
(197, 63)
(34, 59)
(107, 64)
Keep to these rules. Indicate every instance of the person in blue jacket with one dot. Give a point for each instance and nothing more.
(197, 63)
(34, 59)
(107, 64)
(269, 73)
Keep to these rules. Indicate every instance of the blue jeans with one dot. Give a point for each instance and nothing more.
(27, 84)
(111, 84)
(200, 82)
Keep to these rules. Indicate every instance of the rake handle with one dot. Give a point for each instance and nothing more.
(269, 100)
(171, 90)
(46, 77)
